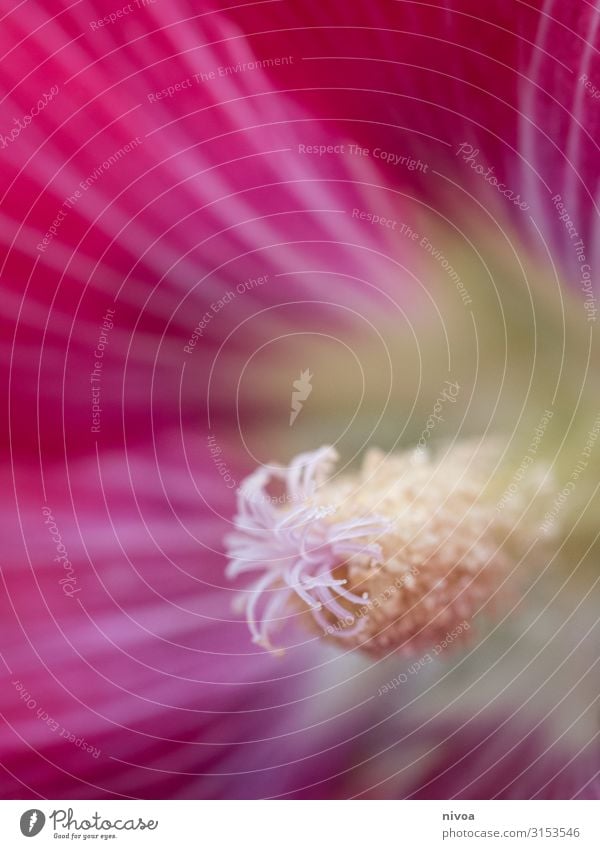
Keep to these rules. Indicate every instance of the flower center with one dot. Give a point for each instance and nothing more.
(393, 557)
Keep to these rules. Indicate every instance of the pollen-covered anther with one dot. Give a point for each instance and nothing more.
(392, 557)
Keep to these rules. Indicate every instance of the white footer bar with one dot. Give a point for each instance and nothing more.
(301, 824)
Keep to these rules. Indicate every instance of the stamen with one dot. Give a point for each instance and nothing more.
(298, 548)
(426, 562)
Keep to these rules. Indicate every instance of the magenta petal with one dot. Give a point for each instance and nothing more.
(139, 679)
